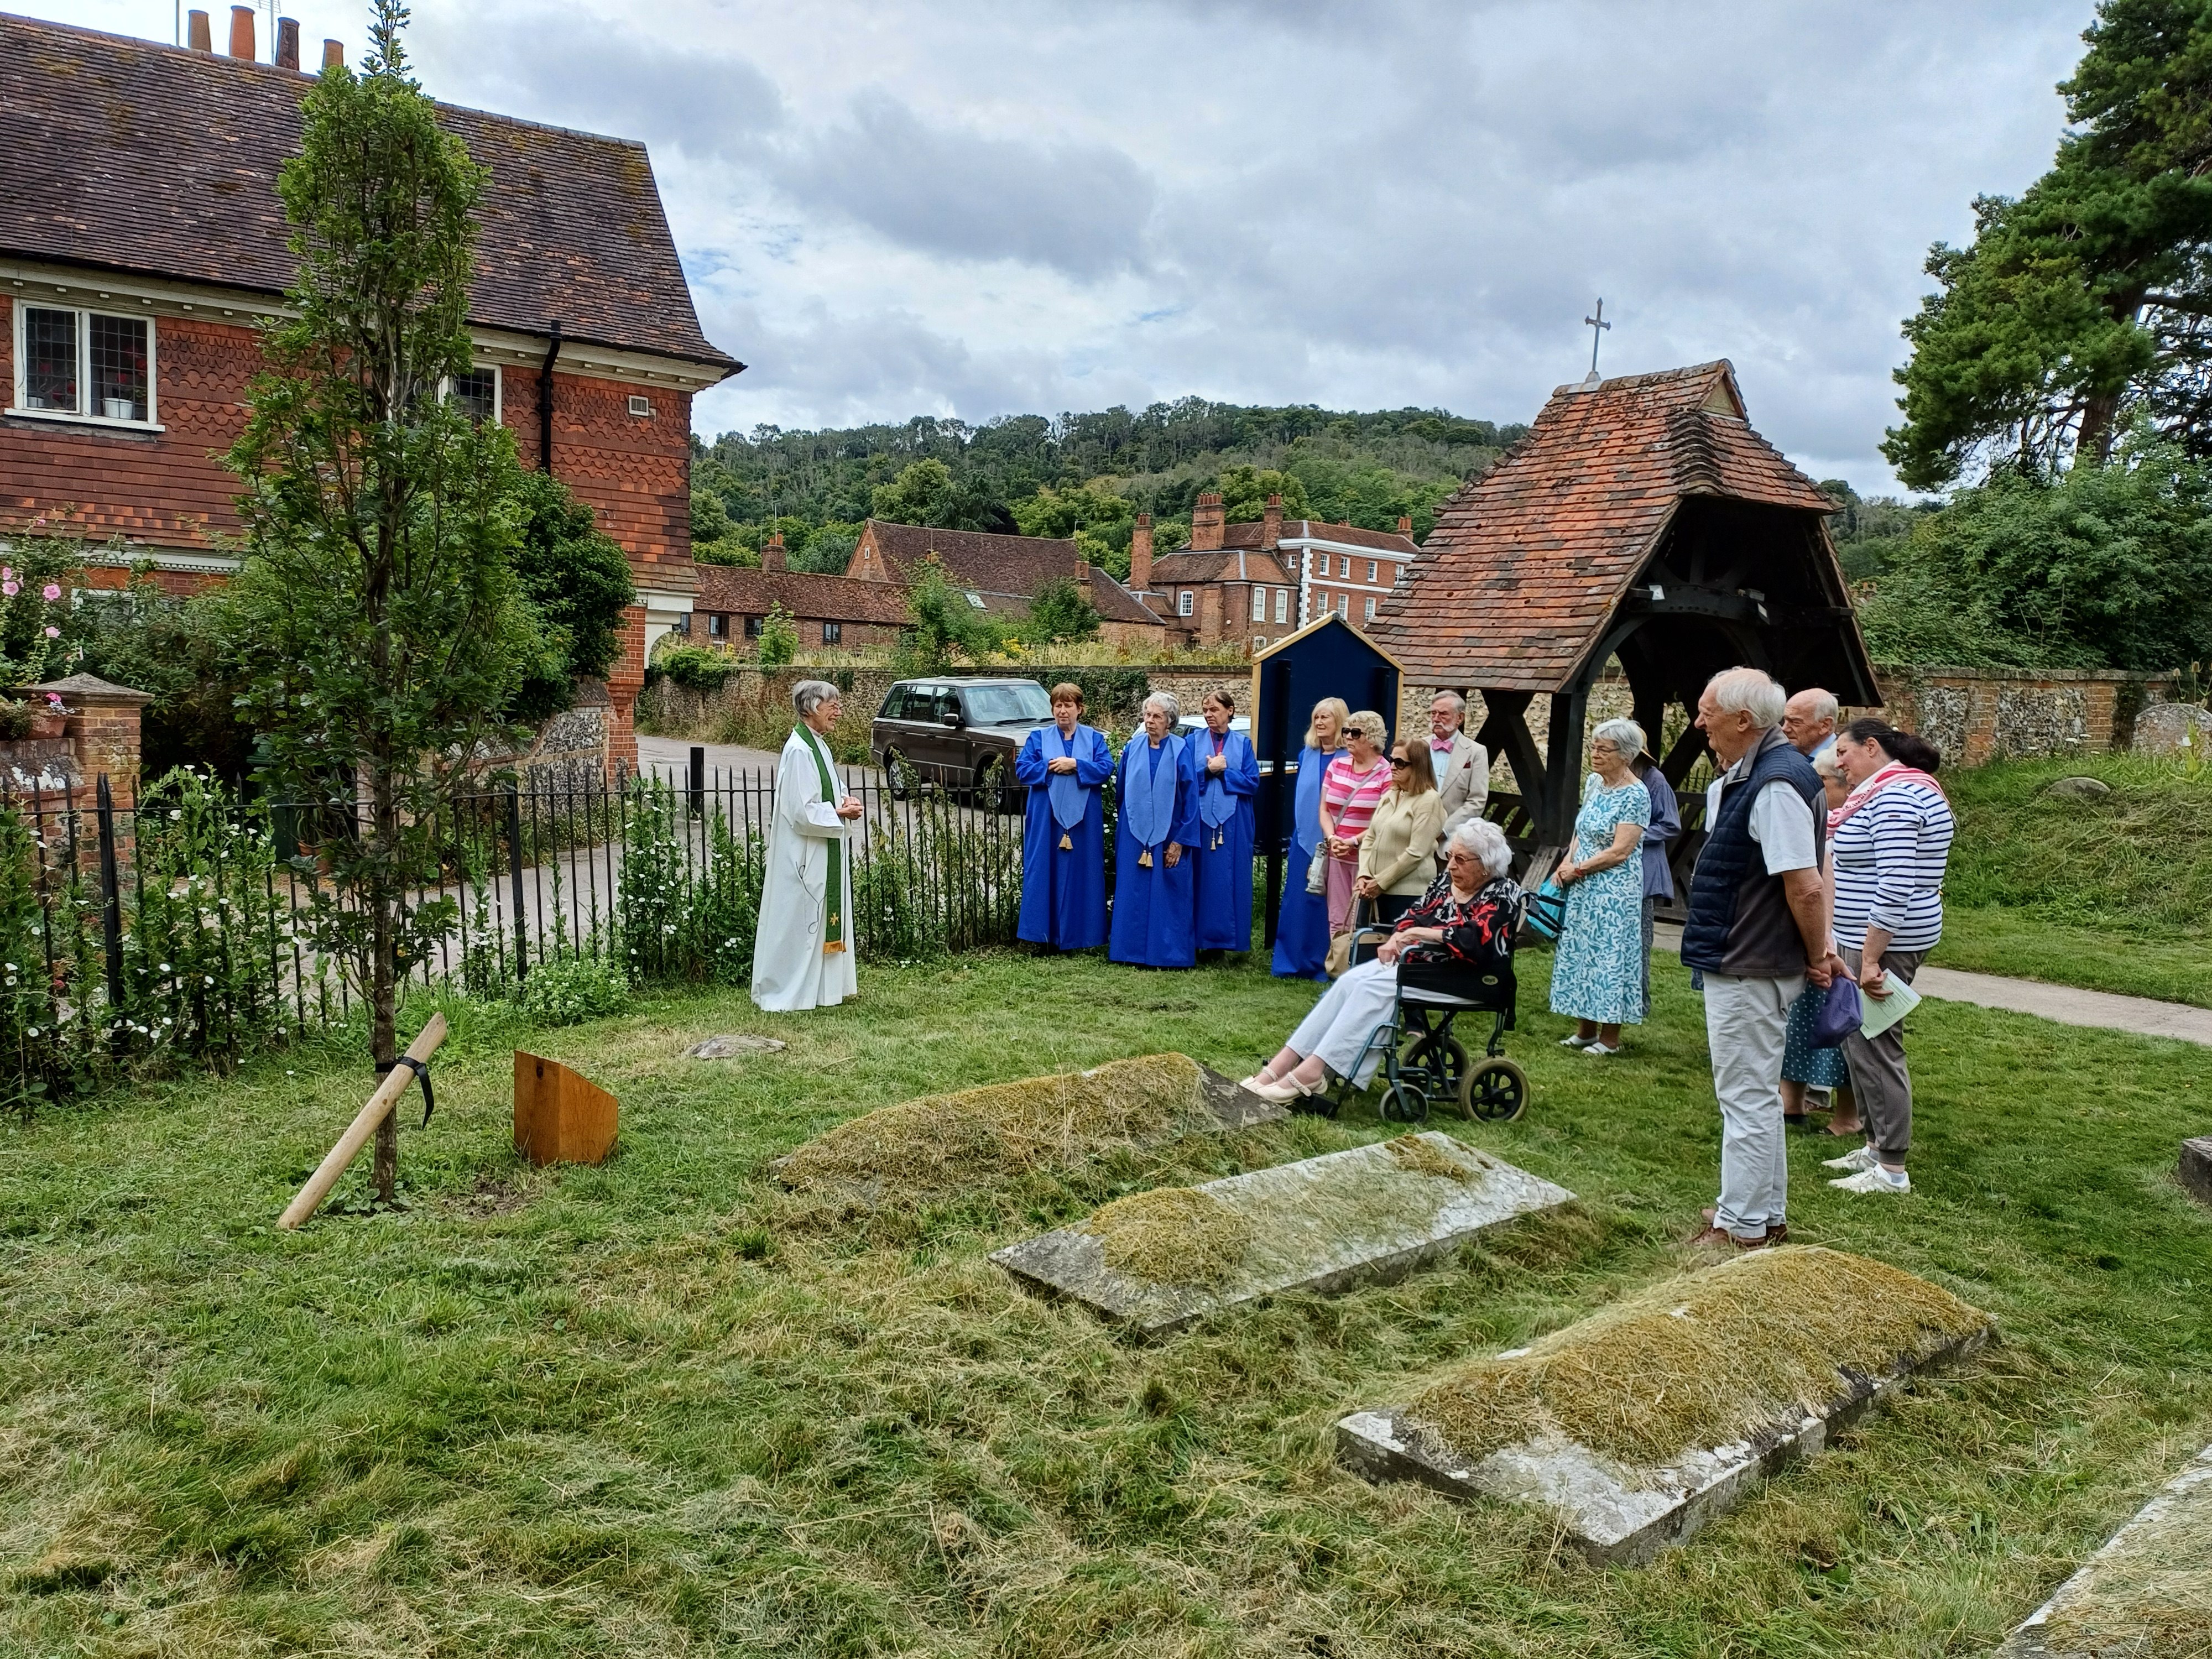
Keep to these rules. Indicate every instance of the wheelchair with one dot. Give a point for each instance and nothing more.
(1434, 1068)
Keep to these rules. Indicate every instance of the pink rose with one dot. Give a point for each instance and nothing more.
(9, 589)
(53, 633)
(53, 590)
(7, 572)
(54, 698)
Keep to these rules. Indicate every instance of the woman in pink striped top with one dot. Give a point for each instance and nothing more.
(1354, 782)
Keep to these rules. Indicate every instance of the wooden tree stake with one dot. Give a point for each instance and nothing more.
(357, 1133)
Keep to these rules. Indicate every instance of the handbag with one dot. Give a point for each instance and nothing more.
(1317, 873)
(1839, 1014)
(1545, 911)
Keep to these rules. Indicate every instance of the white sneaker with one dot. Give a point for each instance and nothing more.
(1858, 1158)
(1873, 1181)
(1570, 1040)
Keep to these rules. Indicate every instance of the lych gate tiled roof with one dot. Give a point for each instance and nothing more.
(148, 160)
(1526, 564)
(814, 598)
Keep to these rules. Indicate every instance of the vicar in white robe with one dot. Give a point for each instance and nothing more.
(803, 953)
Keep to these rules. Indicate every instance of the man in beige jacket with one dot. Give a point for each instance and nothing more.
(1462, 766)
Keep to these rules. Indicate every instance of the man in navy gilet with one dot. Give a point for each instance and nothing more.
(1757, 931)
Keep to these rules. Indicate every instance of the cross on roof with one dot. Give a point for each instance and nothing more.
(1596, 324)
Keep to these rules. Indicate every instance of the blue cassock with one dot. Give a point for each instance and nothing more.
(1157, 803)
(1225, 840)
(1302, 926)
(1064, 889)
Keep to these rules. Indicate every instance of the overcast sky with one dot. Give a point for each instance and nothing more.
(978, 209)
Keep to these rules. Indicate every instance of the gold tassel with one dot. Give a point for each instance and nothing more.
(1066, 845)
(835, 947)
(1144, 859)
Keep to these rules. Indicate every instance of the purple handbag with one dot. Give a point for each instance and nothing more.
(1840, 1013)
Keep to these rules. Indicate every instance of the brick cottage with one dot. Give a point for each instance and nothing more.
(141, 243)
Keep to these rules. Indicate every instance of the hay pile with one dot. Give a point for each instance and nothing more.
(1701, 1360)
(1173, 1236)
(1413, 1154)
(942, 1146)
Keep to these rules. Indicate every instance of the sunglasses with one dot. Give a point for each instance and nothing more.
(1400, 760)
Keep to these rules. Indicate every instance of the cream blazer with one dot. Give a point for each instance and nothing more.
(1398, 847)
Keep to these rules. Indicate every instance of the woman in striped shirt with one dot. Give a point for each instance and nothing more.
(1350, 790)
(1889, 843)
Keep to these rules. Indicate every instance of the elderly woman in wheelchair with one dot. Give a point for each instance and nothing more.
(1453, 951)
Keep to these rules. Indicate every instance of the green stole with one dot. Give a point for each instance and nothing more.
(833, 931)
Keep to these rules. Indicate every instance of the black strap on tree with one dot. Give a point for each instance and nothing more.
(422, 1070)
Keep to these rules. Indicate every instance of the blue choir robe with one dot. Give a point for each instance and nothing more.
(1225, 848)
(1153, 909)
(1064, 889)
(1302, 925)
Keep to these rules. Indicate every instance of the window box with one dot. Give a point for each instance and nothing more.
(89, 366)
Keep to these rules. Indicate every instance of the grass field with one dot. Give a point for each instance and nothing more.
(2114, 894)
(657, 1408)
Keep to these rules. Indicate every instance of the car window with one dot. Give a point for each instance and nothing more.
(1007, 705)
(946, 703)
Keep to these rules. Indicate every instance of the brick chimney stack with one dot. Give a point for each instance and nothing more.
(241, 33)
(1140, 554)
(772, 555)
(333, 53)
(1271, 526)
(1404, 527)
(288, 43)
(1082, 572)
(197, 33)
(1206, 523)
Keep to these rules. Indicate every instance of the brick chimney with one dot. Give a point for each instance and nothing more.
(1206, 523)
(1140, 554)
(1083, 572)
(1404, 527)
(198, 35)
(241, 33)
(288, 43)
(772, 555)
(1270, 525)
(333, 53)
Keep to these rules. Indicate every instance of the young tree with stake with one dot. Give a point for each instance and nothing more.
(376, 615)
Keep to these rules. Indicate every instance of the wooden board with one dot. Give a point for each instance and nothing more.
(560, 1117)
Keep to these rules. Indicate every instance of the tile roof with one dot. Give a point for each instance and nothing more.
(1527, 563)
(1006, 571)
(1115, 604)
(1231, 564)
(157, 161)
(1248, 533)
(828, 598)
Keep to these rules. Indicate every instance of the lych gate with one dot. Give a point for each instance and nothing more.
(1642, 518)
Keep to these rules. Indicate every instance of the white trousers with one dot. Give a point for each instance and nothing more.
(1746, 1022)
(1346, 1017)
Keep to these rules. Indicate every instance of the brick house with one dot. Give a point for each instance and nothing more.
(141, 242)
(1257, 583)
(827, 610)
(1000, 573)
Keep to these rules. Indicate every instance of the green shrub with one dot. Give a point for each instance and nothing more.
(779, 638)
(695, 667)
(572, 988)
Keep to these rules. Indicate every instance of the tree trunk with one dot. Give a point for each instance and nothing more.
(384, 983)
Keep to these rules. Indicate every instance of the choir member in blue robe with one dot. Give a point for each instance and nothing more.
(1228, 779)
(1064, 837)
(1156, 827)
(1302, 925)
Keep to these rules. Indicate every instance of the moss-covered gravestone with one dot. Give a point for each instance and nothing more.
(1636, 1426)
(2147, 1592)
(1160, 1260)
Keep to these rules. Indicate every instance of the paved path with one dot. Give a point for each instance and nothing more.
(2066, 1004)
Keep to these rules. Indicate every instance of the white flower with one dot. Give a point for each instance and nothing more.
(34, 1031)
(165, 967)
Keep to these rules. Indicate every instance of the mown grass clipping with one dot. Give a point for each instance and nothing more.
(1700, 1360)
(1173, 1236)
(942, 1146)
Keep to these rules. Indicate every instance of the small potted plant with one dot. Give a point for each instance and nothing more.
(49, 719)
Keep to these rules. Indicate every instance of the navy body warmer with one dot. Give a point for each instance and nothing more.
(1740, 921)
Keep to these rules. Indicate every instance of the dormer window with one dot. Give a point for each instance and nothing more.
(83, 365)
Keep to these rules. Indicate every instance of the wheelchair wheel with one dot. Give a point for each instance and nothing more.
(1497, 1092)
(1443, 1064)
(1402, 1103)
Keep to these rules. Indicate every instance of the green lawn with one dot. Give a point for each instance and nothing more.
(653, 1408)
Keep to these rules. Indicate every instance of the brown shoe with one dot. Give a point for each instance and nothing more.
(1711, 1214)
(1713, 1237)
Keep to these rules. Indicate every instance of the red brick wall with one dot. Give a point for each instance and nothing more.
(635, 472)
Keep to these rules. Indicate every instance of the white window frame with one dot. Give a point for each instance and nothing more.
(1371, 570)
(498, 389)
(832, 633)
(1186, 603)
(1259, 605)
(1344, 561)
(1282, 607)
(1370, 611)
(19, 390)
(1343, 604)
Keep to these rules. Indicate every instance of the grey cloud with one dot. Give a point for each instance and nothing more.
(1077, 208)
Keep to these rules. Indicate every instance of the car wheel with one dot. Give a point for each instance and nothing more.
(900, 775)
(994, 785)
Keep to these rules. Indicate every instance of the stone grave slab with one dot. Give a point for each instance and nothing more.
(2148, 1591)
(1324, 1225)
(729, 1048)
(1621, 1513)
(2196, 1168)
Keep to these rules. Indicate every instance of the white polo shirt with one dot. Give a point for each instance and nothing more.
(1781, 819)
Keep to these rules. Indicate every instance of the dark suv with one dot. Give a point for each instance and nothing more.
(960, 731)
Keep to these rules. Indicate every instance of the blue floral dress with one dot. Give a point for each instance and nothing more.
(1597, 972)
